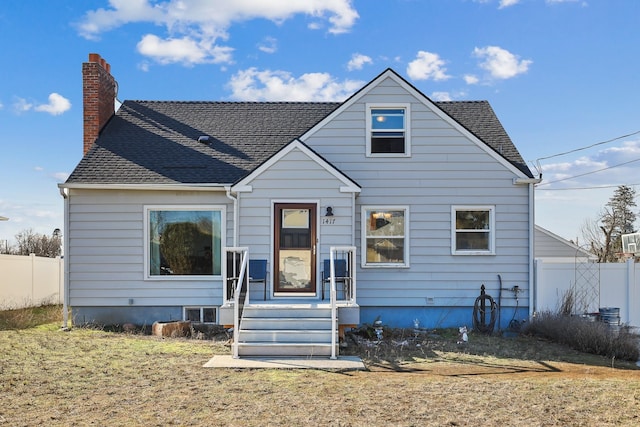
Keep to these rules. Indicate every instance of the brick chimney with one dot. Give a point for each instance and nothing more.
(99, 95)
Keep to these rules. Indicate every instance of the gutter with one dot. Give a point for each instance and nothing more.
(518, 181)
(65, 259)
(161, 187)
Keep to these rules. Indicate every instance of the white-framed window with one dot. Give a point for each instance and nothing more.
(183, 242)
(385, 236)
(388, 132)
(473, 230)
(201, 314)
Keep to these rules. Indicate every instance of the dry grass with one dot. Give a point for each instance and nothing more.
(22, 318)
(586, 336)
(92, 377)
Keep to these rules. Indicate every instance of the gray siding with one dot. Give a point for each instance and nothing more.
(106, 250)
(445, 169)
(550, 246)
(293, 178)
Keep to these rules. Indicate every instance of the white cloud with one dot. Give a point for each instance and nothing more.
(57, 105)
(60, 176)
(471, 79)
(563, 1)
(500, 63)
(21, 105)
(441, 96)
(269, 45)
(184, 50)
(611, 166)
(427, 66)
(507, 3)
(198, 25)
(121, 12)
(358, 61)
(255, 85)
(144, 66)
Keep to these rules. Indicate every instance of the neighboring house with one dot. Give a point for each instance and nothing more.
(550, 247)
(430, 200)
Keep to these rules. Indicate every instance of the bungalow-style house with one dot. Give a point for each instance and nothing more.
(387, 206)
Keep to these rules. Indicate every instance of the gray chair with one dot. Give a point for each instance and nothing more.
(342, 275)
(258, 273)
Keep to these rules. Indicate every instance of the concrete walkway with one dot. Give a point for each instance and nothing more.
(342, 363)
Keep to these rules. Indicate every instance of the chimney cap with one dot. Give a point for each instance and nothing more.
(97, 59)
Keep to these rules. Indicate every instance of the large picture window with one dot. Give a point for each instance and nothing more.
(473, 230)
(388, 130)
(183, 241)
(385, 236)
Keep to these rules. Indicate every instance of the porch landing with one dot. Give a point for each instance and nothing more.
(342, 363)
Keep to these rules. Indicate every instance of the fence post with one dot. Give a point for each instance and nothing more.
(631, 285)
(32, 257)
(533, 293)
(60, 279)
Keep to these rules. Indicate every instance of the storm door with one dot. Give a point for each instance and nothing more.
(295, 248)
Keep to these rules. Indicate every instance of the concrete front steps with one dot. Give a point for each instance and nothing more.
(285, 331)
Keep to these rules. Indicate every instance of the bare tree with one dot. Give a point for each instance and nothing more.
(592, 236)
(604, 235)
(28, 242)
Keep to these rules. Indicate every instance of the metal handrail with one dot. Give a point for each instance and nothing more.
(240, 292)
(351, 251)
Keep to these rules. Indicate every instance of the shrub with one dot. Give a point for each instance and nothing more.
(586, 336)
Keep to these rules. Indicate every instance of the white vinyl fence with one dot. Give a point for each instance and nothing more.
(30, 281)
(593, 285)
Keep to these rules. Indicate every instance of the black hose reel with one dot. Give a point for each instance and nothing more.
(484, 313)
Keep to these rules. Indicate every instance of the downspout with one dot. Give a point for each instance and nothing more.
(65, 260)
(236, 215)
(353, 219)
(532, 226)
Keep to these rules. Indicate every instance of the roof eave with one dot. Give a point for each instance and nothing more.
(144, 186)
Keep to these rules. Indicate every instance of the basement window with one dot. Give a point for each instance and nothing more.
(200, 314)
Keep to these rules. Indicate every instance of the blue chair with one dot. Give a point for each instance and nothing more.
(258, 273)
(342, 275)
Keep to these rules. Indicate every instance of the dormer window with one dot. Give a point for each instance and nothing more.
(387, 130)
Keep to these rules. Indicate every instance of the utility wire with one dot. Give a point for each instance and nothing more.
(588, 173)
(598, 187)
(587, 147)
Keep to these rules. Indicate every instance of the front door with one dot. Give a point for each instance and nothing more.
(295, 249)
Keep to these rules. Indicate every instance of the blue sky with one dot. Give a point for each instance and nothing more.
(560, 74)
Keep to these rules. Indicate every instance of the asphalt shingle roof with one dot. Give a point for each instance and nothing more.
(156, 141)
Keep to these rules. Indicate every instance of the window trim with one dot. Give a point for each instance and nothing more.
(363, 232)
(492, 229)
(407, 127)
(147, 258)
